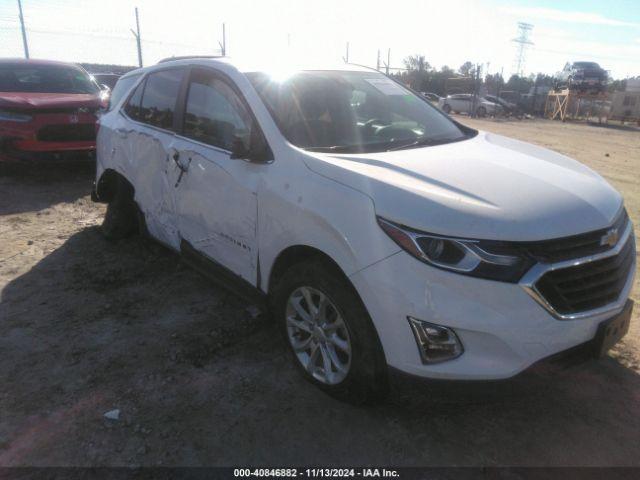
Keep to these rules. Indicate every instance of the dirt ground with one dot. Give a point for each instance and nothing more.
(88, 326)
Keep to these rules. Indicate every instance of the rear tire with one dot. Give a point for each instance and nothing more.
(121, 218)
(362, 377)
(446, 109)
(481, 112)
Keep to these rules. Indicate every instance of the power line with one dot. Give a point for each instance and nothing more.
(105, 36)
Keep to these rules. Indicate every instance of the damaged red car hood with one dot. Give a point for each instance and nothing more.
(44, 101)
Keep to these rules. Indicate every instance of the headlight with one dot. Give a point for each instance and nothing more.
(6, 116)
(493, 260)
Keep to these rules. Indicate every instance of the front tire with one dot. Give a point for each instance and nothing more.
(481, 112)
(329, 333)
(446, 109)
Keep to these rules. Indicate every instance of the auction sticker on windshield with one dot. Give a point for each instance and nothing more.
(387, 86)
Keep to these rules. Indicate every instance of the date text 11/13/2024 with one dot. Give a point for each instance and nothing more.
(316, 472)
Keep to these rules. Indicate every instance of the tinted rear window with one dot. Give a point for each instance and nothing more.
(45, 79)
(159, 98)
(132, 108)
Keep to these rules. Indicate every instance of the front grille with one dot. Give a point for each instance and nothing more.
(590, 285)
(67, 133)
(576, 246)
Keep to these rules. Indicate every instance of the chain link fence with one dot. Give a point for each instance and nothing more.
(106, 38)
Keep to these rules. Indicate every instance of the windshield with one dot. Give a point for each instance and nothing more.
(352, 112)
(45, 79)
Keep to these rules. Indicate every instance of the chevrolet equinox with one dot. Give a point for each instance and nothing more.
(381, 234)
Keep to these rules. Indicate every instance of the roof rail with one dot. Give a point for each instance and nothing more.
(187, 57)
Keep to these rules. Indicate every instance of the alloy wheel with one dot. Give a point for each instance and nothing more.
(318, 335)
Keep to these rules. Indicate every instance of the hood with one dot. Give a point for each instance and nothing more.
(488, 187)
(45, 101)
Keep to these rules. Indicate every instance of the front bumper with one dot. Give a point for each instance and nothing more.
(30, 137)
(39, 146)
(502, 328)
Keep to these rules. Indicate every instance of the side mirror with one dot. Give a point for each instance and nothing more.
(258, 151)
(239, 150)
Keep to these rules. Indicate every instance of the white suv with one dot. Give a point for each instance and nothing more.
(383, 235)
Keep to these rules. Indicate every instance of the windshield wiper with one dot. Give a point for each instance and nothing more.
(334, 148)
(423, 142)
(383, 146)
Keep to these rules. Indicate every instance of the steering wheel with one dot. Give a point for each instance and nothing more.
(389, 132)
(368, 125)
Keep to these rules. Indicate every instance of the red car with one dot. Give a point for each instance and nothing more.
(47, 107)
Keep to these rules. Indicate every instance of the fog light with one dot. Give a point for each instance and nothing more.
(435, 343)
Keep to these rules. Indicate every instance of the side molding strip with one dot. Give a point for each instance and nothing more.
(221, 275)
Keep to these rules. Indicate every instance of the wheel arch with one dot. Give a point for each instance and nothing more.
(296, 254)
(107, 184)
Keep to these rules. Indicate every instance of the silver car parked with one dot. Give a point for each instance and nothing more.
(463, 103)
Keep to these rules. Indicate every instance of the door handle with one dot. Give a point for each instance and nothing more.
(177, 158)
(174, 155)
(181, 166)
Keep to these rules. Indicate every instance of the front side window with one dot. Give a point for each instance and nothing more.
(352, 112)
(214, 113)
(159, 98)
(26, 78)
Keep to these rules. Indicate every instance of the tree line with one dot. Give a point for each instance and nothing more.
(421, 76)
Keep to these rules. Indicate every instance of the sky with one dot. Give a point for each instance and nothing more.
(446, 32)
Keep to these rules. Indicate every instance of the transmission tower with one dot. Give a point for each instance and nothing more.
(523, 42)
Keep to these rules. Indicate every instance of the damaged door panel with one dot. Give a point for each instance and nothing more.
(215, 194)
(217, 208)
(151, 146)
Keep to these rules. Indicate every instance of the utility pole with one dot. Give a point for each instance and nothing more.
(499, 82)
(378, 61)
(476, 89)
(388, 64)
(346, 57)
(136, 34)
(24, 31)
(535, 95)
(223, 45)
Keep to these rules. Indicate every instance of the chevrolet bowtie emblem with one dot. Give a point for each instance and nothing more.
(610, 238)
